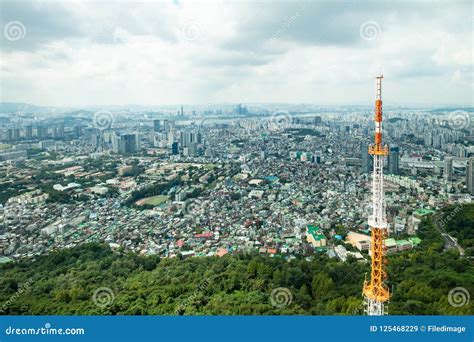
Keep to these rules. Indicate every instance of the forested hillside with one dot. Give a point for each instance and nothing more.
(91, 279)
(459, 222)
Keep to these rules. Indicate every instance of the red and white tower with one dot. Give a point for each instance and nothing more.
(375, 291)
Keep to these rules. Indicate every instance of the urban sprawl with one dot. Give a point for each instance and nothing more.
(284, 182)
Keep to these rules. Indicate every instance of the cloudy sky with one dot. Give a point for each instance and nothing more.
(187, 52)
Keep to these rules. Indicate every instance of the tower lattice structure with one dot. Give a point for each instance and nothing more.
(375, 291)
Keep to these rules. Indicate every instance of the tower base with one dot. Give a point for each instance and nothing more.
(373, 307)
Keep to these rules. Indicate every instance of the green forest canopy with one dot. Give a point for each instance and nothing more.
(64, 282)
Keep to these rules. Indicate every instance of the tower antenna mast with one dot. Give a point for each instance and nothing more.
(375, 291)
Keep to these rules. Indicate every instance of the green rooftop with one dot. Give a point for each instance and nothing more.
(403, 242)
(415, 240)
(316, 232)
(313, 229)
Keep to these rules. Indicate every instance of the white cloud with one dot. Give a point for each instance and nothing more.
(165, 52)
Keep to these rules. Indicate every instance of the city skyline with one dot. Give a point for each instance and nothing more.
(161, 53)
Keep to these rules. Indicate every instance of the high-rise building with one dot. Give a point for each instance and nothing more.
(29, 132)
(156, 125)
(367, 160)
(41, 132)
(448, 168)
(92, 135)
(10, 134)
(171, 126)
(470, 175)
(77, 131)
(192, 149)
(174, 148)
(428, 139)
(166, 125)
(394, 160)
(13, 134)
(61, 130)
(16, 134)
(189, 137)
(115, 143)
(318, 155)
(125, 143)
(129, 143)
(138, 141)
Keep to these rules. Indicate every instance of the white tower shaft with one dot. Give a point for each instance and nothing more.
(376, 292)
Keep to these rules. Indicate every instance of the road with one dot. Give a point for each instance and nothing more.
(449, 241)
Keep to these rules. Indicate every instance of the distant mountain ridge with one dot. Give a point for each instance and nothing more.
(19, 107)
(13, 107)
(452, 109)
